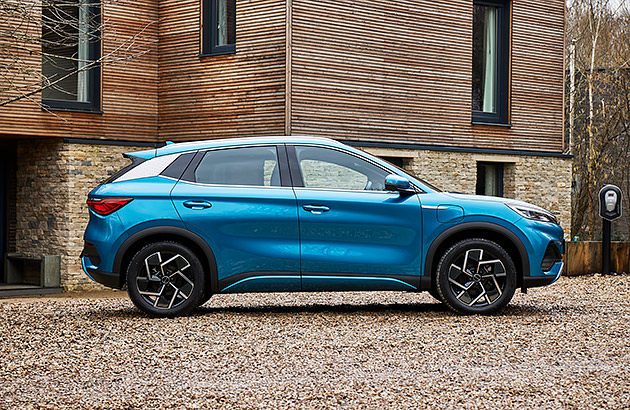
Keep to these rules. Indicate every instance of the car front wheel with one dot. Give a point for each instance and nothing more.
(476, 276)
(165, 279)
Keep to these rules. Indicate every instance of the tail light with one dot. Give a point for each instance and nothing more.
(107, 206)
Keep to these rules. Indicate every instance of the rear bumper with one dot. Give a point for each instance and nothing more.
(111, 280)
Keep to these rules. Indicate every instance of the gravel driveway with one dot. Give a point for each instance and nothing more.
(564, 346)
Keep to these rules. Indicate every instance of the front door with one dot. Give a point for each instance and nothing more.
(354, 234)
(4, 221)
(239, 200)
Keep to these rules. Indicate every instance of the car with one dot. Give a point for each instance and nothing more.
(303, 214)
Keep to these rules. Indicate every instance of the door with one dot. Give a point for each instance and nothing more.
(354, 235)
(4, 220)
(240, 201)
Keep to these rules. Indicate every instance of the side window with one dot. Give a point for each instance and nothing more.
(489, 178)
(218, 27)
(255, 166)
(71, 47)
(332, 169)
(491, 61)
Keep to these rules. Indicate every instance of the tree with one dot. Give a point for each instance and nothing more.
(49, 47)
(598, 36)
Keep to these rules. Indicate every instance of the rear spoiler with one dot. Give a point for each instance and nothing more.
(146, 154)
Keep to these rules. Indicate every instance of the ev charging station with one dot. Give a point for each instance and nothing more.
(609, 210)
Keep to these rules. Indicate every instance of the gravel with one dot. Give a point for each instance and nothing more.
(563, 346)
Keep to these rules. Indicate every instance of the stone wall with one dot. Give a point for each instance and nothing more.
(542, 181)
(53, 180)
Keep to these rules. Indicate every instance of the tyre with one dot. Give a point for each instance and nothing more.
(476, 276)
(165, 279)
(206, 297)
(436, 295)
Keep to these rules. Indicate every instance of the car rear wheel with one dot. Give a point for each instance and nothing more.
(476, 276)
(165, 279)
(433, 292)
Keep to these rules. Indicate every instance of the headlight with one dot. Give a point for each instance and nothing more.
(533, 212)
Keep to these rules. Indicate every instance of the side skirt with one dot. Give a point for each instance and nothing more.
(316, 281)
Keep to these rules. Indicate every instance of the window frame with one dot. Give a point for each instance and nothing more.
(502, 92)
(499, 178)
(208, 30)
(94, 74)
(189, 175)
(298, 179)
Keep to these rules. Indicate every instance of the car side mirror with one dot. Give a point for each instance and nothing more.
(395, 182)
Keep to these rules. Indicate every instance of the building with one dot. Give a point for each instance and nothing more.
(466, 94)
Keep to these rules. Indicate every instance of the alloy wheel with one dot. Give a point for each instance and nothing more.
(166, 280)
(477, 278)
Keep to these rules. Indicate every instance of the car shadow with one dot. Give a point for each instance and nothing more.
(326, 308)
(424, 309)
(395, 308)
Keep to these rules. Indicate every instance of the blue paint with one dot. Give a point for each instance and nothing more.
(259, 283)
(85, 269)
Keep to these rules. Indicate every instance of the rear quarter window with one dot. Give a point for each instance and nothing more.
(135, 161)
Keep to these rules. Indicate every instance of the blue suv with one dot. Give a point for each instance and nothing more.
(291, 214)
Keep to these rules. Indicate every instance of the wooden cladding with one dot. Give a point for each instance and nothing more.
(401, 72)
(231, 95)
(397, 72)
(129, 83)
(583, 258)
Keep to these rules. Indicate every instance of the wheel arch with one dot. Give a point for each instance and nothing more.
(485, 230)
(166, 233)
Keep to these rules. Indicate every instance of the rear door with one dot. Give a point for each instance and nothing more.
(354, 234)
(241, 202)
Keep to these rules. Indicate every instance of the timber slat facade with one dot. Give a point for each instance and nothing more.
(391, 72)
(232, 95)
(129, 87)
(401, 72)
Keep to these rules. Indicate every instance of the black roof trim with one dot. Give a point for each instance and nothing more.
(121, 143)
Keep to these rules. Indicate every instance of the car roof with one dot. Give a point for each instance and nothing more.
(174, 148)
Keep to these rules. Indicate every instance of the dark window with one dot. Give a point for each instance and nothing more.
(218, 27)
(398, 161)
(177, 167)
(489, 178)
(257, 166)
(71, 43)
(332, 169)
(491, 60)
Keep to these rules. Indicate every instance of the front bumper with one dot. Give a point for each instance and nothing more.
(547, 279)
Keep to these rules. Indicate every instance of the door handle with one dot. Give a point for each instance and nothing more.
(316, 209)
(197, 204)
